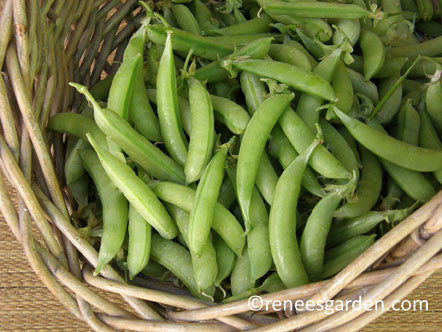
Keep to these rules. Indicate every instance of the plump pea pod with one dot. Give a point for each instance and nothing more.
(291, 75)
(315, 235)
(302, 49)
(136, 192)
(300, 136)
(351, 143)
(349, 228)
(214, 72)
(156, 271)
(428, 138)
(79, 190)
(225, 259)
(408, 124)
(311, 45)
(282, 223)
(222, 89)
(360, 85)
(346, 30)
(231, 114)
(425, 9)
(339, 147)
(152, 159)
(393, 196)
(167, 106)
(431, 47)
(253, 144)
(373, 52)
(266, 179)
(185, 19)
(239, 17)
(433, 103)
(391, 149)
(308, 104)
(392, 67)
(281, 149)
(226, 195)
(387, 112)
(73, 166)
(254, 91)
(224, 223)
(291, 55)
(201, 216)
(240, 280)
(315, 9)
(338, 258)
(368, 190)
(205, 268)
(115, 209)
(203, 15)
(101, 89)
(203, 131)
(138, 249)
(176, 259)
(259, 24)
(343, 88)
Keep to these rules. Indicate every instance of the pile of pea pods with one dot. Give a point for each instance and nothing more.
(252, 146)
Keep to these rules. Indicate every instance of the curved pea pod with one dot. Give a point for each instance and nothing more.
(79, 190)
(170, 19)
(431, 47)
(388, 111)
(185, 19)
(73, 166)
(346, 29)
(136, 192)
(408, 124)
(392, 67)
(240, 280)
(227, 194)
(176, 259)
(203, 16)
(255, 25)
(373, 52)
(115, 209)
(391, 149)
(425, 9)
(428, 138)
(291, 55)
(266, 179)
(231, 114)
(167, 106)
(361, 85)
(368, 190)
(300, 136)
(343, 88)
(254, 90)
(138, 249)
(433, 103)
(282, 223)
(301, 48)
(253, 144)
(224, 223)
(351, 143)
(290, 75)
(225, 259)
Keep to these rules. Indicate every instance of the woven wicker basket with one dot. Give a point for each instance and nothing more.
(46, 44)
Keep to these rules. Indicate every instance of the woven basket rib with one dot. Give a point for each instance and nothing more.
(44, 44)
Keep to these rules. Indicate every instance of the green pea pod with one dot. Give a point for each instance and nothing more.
(170, 19)
(338, 258)
(255, 25)
(391, 149)
(253, 144)
(392, 67)
(387, 112)
(300, 136)
(254, 91)
(360, 85)
(231, 114)
(282, 223)
(224, 223)
(393, 196)
(203, 15)
(79, 190)
(203, 131)
(115, 209)
(240, 280)
(138, 249)
(73, 166)
(369, 188)
(156, 271)
(408, 124)
(312, 27)
(433, 102)
(201, 216)
(167, 106)
(373, 52)
(226, 195)
(136, 192)
(225, 259)
(343, 87)
(346, 30)
(266, 179)
(431, 47)
(291, 55)
(428, 138)
(351, 142)
(185, 19)
(425, 9)
(302, 49)
(101, 89)
(290, 75)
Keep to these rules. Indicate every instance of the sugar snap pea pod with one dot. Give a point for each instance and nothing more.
(338, 258)
(185, 19)
(204, 265)
(266, 179)
(343, 88)
(254, 91)
(226, 195)
(408, 124)
(222, 89)
(391, 149)
(203, 15)
(225, 258)
(349, 228)
(213, 72)
(224, 223)
(300, 136)
(115, 209)
(255, 25)
(167, 106)
(156, 271)
(152, 159)
(201, 216)
(73, 166)
(314, 236)
(170, 19)
(339, 147)
(301, 48)
(176, 259)
(393, 196)
(387, 112)
(231, 114)
(346, 30)
(239, 17)
(311, 45)
(203, 132)
(138, 249)
(291, 75)
(136, 192)
(392, 67)
(79, 190)
(315, 9)
(240, 280)
(351, 143)
(425, 9)
(373, 52)
(433, 102)
(253, 144)
(361, 85)
(308, 104)
(431, 47)
(281, 149)
(291, 55)
(282, 223)
(428, 138)
(368, 190)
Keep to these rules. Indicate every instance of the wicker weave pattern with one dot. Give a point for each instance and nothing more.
(71, 40)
